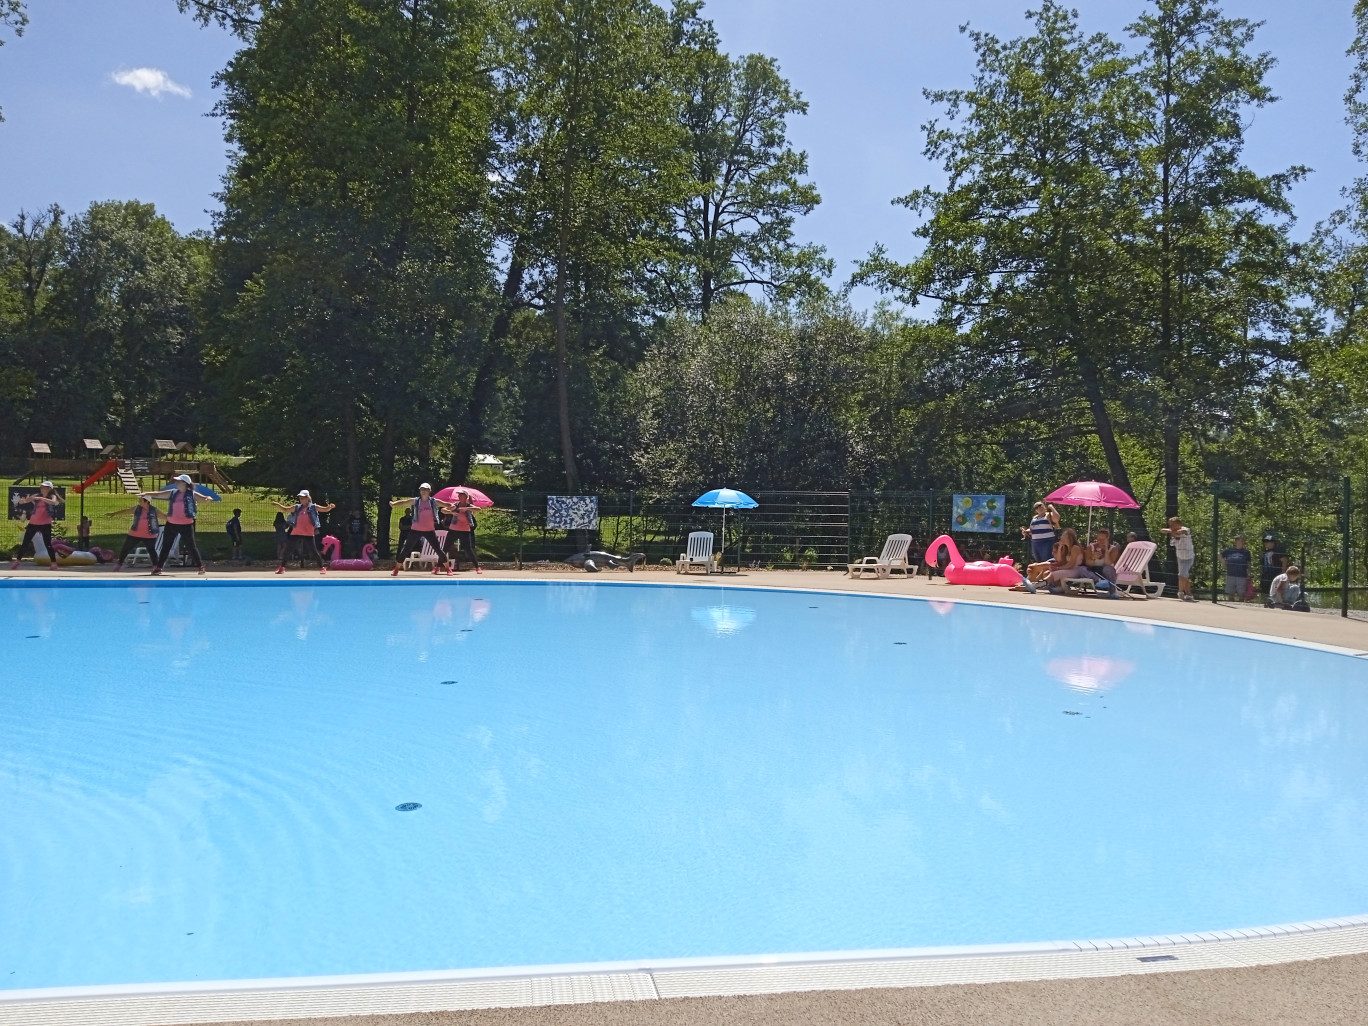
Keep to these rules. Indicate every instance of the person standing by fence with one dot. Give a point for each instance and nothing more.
(1043, 532)
(1273, 563)
(1237, 560)
(1180, 538)
(234, 529)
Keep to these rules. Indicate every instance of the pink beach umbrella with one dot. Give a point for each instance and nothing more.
(1092, 494)
(477, 497)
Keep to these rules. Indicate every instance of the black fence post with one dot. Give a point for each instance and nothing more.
(1344, 552)
(520, 530)
(848, 557)
(1215, 539)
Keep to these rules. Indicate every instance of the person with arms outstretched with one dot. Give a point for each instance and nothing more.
(42, 503)
(143, 530)
(182, 508)
(426, 513)
(304, 522)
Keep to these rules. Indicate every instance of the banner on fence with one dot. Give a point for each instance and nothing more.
(572, 512)
(982, 513)
(18, 512)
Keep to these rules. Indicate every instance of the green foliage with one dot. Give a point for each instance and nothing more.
(735, 227)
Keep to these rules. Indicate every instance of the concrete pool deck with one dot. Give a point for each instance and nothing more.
(1314, 974)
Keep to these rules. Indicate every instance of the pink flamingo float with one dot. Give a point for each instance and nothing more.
(331, 546)
(1001, 574)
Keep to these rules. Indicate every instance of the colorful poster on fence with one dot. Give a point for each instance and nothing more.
(983, 513)
(20, 511)
(572, 512)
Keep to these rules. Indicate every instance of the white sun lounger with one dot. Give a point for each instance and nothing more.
(892, 560)
(1132, 570)
(700, 553)
(426, 558)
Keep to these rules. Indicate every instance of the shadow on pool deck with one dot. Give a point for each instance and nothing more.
(1324, 992)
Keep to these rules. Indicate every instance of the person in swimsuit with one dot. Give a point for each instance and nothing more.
(303, 522)
(462, 537)
(426, 511)
(143, 530)
(43, 502)
(1101, 555)
(181, 510)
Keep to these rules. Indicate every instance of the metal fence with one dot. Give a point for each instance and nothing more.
(1320, 525)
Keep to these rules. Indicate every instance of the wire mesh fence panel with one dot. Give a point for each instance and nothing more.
(1306, 519)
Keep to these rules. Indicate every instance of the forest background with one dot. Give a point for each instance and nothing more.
(565, 229)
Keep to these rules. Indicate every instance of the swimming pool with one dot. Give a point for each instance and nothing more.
(203, 780)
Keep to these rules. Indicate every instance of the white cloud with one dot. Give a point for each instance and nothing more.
(150, 80)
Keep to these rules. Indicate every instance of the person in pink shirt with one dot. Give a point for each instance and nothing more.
(42, 503)
(426, 511)
(304, 524)
(143, 530)
(462, 536)
(181, 510)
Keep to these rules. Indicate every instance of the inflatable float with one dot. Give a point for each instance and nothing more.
(67, 556)
(331, 547)
(1002, 574)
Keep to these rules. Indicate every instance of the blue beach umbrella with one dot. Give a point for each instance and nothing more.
(200, 489)
(725, 499)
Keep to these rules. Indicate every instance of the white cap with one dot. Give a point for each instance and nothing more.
(185, 478)
(425, 485)
(305, 492)
(46, 484)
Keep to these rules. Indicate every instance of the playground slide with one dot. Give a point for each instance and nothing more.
(110, 467)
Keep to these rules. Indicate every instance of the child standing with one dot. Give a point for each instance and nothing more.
(234, 529)
(1180, 539)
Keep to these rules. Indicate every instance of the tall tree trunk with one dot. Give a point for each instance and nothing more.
(382, 506)
(1106, 434)
(353, 457)
(1172, 434)
(562, 357)
(482, 391)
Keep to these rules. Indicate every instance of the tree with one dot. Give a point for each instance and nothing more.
(1212, 269)
(1026, 247)
(30, 256)
(13, 15)
(354, 239)
(764, 396)
(124, 306)
(594, 167)
(735, 226)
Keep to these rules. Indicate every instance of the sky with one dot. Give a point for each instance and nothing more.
(111, 99)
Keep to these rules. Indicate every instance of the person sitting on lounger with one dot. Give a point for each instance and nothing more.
(1071, 562)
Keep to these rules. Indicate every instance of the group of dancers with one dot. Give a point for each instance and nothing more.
(303, 521)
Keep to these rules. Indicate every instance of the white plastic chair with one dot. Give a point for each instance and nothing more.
(139, 557)
(1132, 570)
(426, 558)
(892, 560)
(700, 553)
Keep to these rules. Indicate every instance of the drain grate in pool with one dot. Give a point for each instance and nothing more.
(447, 682)
(1157, 958)
(900, 643)
(33, 635)
(408, 807)
(1072, 712)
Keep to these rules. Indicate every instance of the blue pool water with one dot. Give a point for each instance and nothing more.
(200, 780)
